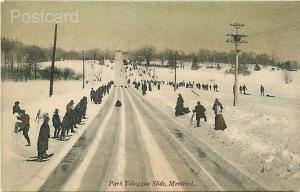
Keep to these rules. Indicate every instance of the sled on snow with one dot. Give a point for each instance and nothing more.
(270, 95)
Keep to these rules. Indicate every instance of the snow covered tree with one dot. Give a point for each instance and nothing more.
(148, 53)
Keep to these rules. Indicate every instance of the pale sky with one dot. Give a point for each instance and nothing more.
(189, 26)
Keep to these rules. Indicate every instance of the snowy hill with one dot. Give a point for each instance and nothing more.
(263, 132)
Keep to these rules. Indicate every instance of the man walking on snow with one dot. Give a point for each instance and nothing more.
(25, 125)
(200, 113)
(262, 91)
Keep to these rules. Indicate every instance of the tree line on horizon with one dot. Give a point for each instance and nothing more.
(21, 59)
(19, 62)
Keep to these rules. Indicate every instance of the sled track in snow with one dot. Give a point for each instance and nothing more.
(232, 178)
(140, 142)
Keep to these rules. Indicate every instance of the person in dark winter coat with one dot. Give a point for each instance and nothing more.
(16, 107)
(244, 89)
(179, 105)
(118, 103)
(92, 94)
(83, 106)
(25, 125)
(17, 110)
(64, 127)
(144, 89)
(262, 91)
(150, 87)
(44, 135)
(200, 113)
(219, 120)
(70, 116)
(108, 87)
(56, 123)
(72, 121)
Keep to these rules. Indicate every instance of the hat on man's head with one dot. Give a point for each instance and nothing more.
(46, 116)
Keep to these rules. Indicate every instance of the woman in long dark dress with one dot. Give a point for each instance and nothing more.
(179, 105)
(219, 120)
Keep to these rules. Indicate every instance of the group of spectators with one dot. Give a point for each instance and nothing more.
(146, 85)
(207, 86)
(189, 84)
(97, 95)
(73, 117)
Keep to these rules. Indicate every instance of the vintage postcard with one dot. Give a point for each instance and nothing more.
(150, 95)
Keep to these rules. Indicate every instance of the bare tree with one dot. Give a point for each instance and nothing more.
(148, 54)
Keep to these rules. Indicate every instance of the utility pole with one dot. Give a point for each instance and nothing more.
(83, 72)
(175, 64)
(154, 72)
(273, 57)
(236, 39)
(53, 61)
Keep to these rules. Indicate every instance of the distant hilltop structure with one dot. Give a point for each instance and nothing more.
(120, 57)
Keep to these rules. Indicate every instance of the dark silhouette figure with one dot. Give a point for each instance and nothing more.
(44, 135)
(219, 120)
(200, 113)
(262, 91)
(25, 125)
(118, 103)
(56, 122)
(16, 107)
(244, 89)
(179, 105)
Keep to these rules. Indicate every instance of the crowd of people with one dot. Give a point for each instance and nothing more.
(62, 127)
(189, 84)
(146, 85)
(180, 109)
(72, 117)
(97, 95)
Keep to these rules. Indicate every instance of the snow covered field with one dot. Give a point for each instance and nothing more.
(263, 132)
(262, 137)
